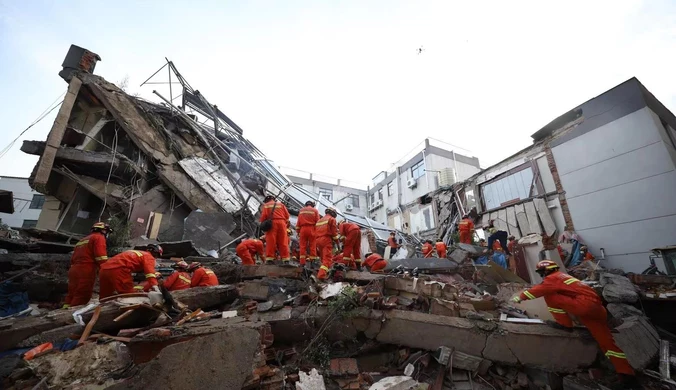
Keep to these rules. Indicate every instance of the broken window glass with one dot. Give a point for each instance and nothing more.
(327, 193)
(508, 189)
(37, 201)
(418, 169)
(353, 200)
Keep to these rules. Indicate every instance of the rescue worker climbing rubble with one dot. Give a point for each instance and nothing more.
(115, 275)
(351, 232)
(88, 255)
(466, 229)
(305, 225)
(276, 239)
(327, 235)
(392, 242)
(248, 249)
(201, 276)
(566, 295)
(427, 249)
(374, 262)
(180, 279)
(441, 249)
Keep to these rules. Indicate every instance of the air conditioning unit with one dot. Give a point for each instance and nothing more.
(412, 183)
(348, 207)
(376, 204)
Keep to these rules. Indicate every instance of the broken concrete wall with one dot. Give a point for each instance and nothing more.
(158, 204)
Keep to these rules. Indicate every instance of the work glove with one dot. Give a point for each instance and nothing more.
(155, 288)
(517, 299)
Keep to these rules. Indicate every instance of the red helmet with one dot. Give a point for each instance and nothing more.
(180, 265)
(101, 226)
(155, 249)
(546, 265)
(193, 266)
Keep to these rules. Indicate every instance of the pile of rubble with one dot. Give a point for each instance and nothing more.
(273, 325)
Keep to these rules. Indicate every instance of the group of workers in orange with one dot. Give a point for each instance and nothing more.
(319, 237)
(115, 274)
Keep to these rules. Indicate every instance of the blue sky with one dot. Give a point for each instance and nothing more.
(337, 87)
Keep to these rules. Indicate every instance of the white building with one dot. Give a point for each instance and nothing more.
(27, 203)
(345, 195)
(398, 197)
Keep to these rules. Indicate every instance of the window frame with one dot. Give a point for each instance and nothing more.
(37, 199)
(23, 223)
(326, 191)
(416, 168)
(354, 200)
(390, 188)
(535, 184)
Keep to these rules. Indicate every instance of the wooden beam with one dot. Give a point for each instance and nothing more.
(55, 136)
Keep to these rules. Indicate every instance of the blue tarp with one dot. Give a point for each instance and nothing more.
(500, 259)
(483, 260)
(12, 301)
(576, 256)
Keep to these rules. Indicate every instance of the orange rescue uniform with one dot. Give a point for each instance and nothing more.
(352, 245)
(276, 238)
(326, 232)
(88, 254)
(247, 249)
(307, 219)
(427, 249)
(465, 229)
(203, 277)
(566, 295)
(179, 280)
(588, 257)
(115, 275)
(441, 249)
(375, 263)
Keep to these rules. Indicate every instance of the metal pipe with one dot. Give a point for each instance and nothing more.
(224, 246)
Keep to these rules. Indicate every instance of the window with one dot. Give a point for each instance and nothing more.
(326, 193)
(380, 194)
(418, 169)
(390, 188)
(373, 198)
(29, 223)
(37, 201)
(508, 189)
(353, 200)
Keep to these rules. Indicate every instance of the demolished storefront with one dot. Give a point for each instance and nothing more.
(604, 171)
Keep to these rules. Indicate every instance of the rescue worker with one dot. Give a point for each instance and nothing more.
(351, 232)
(392, 242)
(327, 234)
(276, 239)
(201, 276)
(180, 279)
(374, 262)
(115, 275)
(441, 248)
(466, 229)
(248, 249)
(88, 255)
(566, 295)
(305, 225)
(427, 249)
(511, 245)
(585, 255)
(145, 286)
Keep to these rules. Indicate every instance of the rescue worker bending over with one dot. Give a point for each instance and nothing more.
(441, 248)
(466, 229)
(566, 295)
(374, 262)
(180, 279)
(305, 225)
(327, 234)
(276, 238)
(88, 255)
(115, 275)
(352, 246)
(145, 286)
(427, 249)
(247, 249)
(201, 276)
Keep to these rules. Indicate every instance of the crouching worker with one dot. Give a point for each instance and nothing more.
(201, 276)
(115, 275)
(374, 262)
(247, 249)
(566, 295)
(180, 279)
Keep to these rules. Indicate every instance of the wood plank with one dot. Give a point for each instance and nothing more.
(546, 218)
(155, 228)
(55, 136)
(532, 216)
(512, 222)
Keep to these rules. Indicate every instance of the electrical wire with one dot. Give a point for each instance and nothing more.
(46, 112)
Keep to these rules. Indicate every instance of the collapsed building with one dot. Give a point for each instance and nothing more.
(453, 326)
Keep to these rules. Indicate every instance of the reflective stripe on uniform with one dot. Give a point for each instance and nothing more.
(320, 223)
(615, 354)
(307, 212)
(269, 206)
(357, 260)
(183, 278)
(347, 258)
(570, 281)
(336, 237)
(325, 268)
(208, 272)
(148, 276)
(529, 295)
(82, 242)
(101, 258)
(287, 259)
(138, 253)
(138, 287)
(555, 310)
(269, 258)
